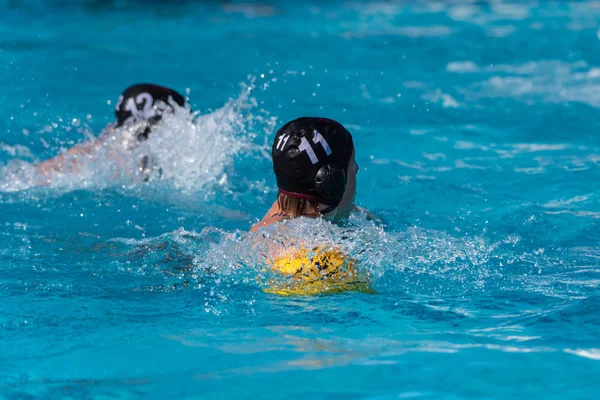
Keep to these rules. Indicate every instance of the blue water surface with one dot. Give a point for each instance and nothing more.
(476, 128)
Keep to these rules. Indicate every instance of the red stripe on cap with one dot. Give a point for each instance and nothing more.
(299, 195)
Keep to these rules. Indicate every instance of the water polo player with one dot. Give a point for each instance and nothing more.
(139, 109)
(314, 165)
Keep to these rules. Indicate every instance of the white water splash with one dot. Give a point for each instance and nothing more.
(188, 153)
(416, 261)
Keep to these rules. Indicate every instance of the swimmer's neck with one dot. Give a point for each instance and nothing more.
(276, 214)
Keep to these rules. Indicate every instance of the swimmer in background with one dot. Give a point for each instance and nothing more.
(315, 168)
(139, 110)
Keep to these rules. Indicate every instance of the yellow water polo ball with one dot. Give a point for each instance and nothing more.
(324, 270)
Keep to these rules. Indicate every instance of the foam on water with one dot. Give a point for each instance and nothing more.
(419, 263)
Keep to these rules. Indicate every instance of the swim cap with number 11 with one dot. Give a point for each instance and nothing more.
(310, 159)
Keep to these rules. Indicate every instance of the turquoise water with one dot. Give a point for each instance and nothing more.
(476, 128)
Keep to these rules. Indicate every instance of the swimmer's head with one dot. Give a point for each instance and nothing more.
(146, 103)
(313, 159)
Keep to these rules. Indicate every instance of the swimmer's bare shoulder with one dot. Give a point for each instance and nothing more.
(271, 217)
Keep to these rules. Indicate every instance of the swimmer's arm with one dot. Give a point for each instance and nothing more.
(369, 216)
(361, 210)
(59, 162)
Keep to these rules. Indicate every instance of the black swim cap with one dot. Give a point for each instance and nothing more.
(146, 102)
(310, 159)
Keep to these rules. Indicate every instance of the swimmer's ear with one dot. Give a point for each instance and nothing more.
(330, 183)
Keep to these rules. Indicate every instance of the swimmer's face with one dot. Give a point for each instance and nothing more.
(347, 203)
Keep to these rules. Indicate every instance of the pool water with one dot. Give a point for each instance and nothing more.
(476, 131)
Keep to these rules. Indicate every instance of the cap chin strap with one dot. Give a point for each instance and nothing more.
(329, 210)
